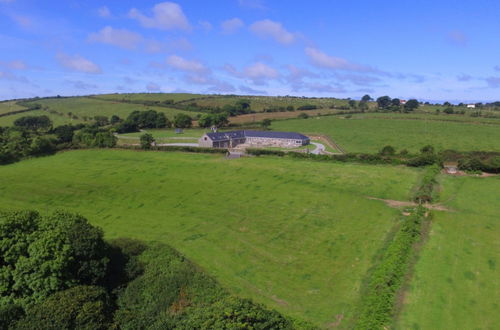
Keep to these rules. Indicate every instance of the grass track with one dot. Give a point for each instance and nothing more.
(296, 235)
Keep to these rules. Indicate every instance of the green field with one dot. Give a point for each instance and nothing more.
(370, 132)
(170, 133)
(84, 106)
(56, 119)
(296, 235)
(176, 97)
(456, 282)
(9, 106)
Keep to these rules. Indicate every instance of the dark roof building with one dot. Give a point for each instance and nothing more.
(253, 138)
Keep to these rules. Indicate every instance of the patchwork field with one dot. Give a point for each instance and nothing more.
(370, 132)
(296, 235)
(456, 281)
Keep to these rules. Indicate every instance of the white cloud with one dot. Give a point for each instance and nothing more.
(268, 29)
(166, 16)
(259, 73)
(182, 64)
(323, 60)
(104, 12)
(232, 25)
(260, 70)
(78, 63)
(117, 37)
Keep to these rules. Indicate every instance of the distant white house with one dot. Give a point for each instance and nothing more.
(472, 106)
(402, 102)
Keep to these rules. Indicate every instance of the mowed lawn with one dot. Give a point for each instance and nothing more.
(296, 235)
(368, 133)
(456, 283)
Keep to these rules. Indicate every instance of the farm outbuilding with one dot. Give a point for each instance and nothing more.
(253, 138)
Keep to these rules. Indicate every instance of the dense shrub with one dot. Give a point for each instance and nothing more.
(308, 107)
(261, 152)
(34, 123)
(425, 189)
(174, 293)
(81, 307)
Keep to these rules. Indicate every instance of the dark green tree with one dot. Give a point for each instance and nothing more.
(42, 255)
(182, 120)
(146, 141)
(384, 102)
(34, 123)
(266, 123)
(366, 98)
(411, 105)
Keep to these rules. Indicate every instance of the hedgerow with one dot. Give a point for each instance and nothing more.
(378, 300)
(424, 193)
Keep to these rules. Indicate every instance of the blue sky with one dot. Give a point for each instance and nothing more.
(429, 50)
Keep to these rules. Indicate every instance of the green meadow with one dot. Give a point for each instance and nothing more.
(56, 119)
(456, 279)
(9, 106)
(298, 236)
(370, 132)
(90, 107)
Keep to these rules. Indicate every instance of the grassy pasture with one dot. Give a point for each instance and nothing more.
(9, 106)
(456, 281)
(56, 119)
(258, 103)
(83, 106)
(370, 132)
(296, 235)
(176, 97)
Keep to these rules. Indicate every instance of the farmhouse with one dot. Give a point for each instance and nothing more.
(253, 138)
(471, 106)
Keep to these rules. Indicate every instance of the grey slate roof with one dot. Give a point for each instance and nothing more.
(223, 136)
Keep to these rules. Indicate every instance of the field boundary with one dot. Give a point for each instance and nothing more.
(6, 114)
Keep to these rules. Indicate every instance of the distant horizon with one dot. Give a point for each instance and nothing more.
(357, 98)
(431, 51)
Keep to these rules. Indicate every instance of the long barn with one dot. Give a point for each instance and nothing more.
(253, 138)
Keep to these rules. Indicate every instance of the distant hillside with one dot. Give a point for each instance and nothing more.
(83, 108)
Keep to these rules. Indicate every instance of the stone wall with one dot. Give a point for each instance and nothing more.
(271, 142)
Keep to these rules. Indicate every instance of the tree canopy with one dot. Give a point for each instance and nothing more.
(40, 255)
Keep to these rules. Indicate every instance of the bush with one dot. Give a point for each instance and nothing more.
(303, 116)
(147, 140)
(81, 307)
(308, 107)
(388, 151)
(261, 152)
(424, 193)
